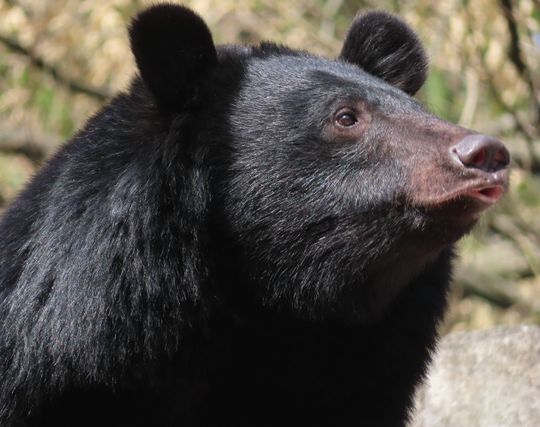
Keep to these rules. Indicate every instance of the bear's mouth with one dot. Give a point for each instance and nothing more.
(468, 200)
(488, 195)
(481, 194)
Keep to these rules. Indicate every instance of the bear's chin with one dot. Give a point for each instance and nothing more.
(356, 295)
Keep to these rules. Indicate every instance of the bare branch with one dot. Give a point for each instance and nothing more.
(529, 132)
(54, 72)
(514, 52)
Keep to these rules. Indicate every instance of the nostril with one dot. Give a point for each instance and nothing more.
(479, 158)
(482, 152)
(502, 157)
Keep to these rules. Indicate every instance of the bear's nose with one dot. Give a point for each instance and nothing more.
(481, 152)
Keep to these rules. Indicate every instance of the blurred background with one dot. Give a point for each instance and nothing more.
(60, 60)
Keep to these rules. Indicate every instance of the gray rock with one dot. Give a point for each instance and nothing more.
(485, 378)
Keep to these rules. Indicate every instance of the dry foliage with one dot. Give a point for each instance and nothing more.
(60, 58)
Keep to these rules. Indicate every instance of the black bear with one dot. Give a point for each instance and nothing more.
(249, 236)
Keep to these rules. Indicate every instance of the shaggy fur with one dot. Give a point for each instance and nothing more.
(387, 48)
(220, 246)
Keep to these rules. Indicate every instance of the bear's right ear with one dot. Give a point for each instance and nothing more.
(173, 49)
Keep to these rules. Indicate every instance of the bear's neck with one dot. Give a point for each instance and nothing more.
(337, 367)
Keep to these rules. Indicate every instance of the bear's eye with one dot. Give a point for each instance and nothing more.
(346, 119)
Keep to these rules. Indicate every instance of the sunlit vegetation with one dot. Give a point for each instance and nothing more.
(61, 59)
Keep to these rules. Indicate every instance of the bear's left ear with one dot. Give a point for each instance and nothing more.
(173, 49)
(386, 47)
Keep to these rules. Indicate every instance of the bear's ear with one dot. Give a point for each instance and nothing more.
(386, 47)
(173, 49)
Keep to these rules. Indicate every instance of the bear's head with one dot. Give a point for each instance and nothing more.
(331, 187)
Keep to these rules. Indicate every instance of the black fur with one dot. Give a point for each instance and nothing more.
(213, 250)
(173, 49)
(387, 48)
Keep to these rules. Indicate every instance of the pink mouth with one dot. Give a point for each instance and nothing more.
(470, 198)
(488, 195)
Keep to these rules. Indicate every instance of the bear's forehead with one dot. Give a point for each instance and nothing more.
(305, 70)
(282, 76)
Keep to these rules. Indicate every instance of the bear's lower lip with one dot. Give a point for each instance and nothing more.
(488, 195)
(474, 197)
(463, 205)
(471, 199)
